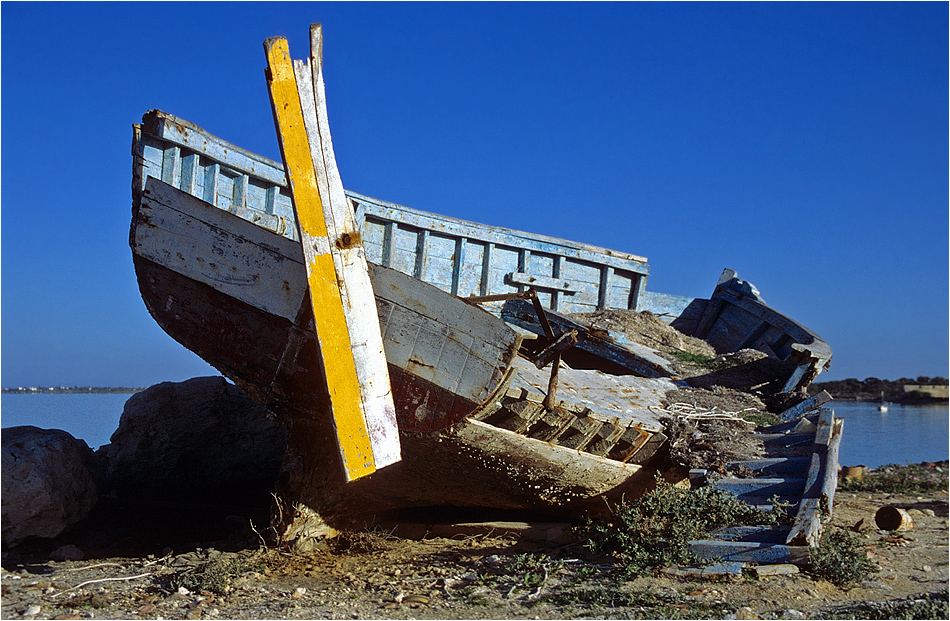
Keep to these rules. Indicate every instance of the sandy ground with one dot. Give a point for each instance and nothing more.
(492, 576)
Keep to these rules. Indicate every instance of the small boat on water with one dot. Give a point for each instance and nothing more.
(219, 265)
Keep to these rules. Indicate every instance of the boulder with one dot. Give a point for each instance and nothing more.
(201, 440)
(48, 482)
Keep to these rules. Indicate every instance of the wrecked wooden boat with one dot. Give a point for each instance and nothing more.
(468, 259)
(228, 282)
(219, 265)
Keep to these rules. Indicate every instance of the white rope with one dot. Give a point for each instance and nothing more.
(689, 411)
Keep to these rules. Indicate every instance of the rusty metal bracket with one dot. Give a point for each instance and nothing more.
(562, 343)
(553, 351)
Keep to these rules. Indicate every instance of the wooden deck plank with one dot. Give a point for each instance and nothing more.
(808, 404)
(748, 551)
(762, 486)
(772, 466)
(638, 359)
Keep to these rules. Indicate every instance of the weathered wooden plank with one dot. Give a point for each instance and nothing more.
(408, 345)
(638, 359)
(540, 460)
(797, 376)
(830, 483)
(748, 551)
(772, 466)
(796, 425)
(713, 571)
(764, 503)
(609, 398)
(761, 486)
(350, 344)
(756, 533)
(173, 233)
(580, 263)
(266, 271)
(173, 129)
(664, 305)
(580, 433)
(350, 264)
(760, 310)
(171, 165)
(541, 282)
(383, 210)
(784, 439)
(806, 529)
(825, 426)
(189, 173)
(818, 497)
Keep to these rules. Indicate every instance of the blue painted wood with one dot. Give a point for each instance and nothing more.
(773, 466)
(748, 552)
(785, 439)
(189, 173)
(663, 305)
(570, 276)
(790, 425)
(639, 361)
(796, 377)
(759, 534)
(762, 487)
(714, 570)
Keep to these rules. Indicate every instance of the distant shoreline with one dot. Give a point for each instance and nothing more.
(895, 401)
(61, 390)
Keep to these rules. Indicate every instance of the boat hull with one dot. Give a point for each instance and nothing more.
(235, 294)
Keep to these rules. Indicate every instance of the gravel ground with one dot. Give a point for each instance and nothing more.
(379, 576)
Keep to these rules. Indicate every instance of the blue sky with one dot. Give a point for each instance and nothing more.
(803, 145)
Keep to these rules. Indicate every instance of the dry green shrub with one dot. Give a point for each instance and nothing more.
(216, 575)
(655, 530)
(895, 479)
(840, 559)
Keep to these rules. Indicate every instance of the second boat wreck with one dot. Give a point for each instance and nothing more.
(527, 372)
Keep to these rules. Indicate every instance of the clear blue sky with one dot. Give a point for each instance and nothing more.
(804, 145)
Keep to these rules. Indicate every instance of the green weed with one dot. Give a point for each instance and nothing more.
(928, 606)
(532, 570)
(655, 530)
(762, 419)
(216, 575)
(644, 604)
(693, 358)
(840, 559)
(895, 479)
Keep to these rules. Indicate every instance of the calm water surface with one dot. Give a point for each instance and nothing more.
(92, 418)
(903, 434)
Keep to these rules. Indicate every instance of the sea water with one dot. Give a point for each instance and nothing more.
(90, 417)
(903, 434)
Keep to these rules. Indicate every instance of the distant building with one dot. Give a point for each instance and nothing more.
(937, 392)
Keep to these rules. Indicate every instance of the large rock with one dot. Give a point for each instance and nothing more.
(48, 482)
(200, 440)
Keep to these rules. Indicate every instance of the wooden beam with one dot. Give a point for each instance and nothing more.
(748, 551)
(818, 497)
(340, 291)
(638, 359)
(811, 403)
